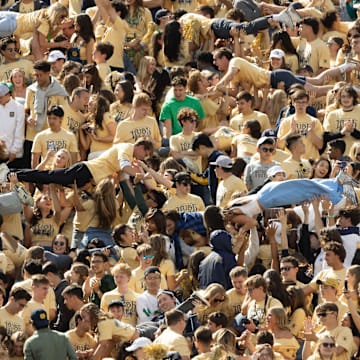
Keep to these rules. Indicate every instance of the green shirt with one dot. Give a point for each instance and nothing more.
(171, 108)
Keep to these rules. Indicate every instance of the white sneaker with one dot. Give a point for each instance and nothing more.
(295, 17)
(4, 171)
(285, 18)
(24, 196)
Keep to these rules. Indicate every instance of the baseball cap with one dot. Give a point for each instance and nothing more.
(182, 177)
(275, 170)
(306, 68)
(264, 139)
(329, 282)
(161, 13)
(4, 89)
(269, 133)
(223, 161)
(55, 55)
(138, 344)
(277, 54)
(39, 318)
(151, 270)
(115, 303)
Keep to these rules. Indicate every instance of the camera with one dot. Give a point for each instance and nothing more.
(247, 321)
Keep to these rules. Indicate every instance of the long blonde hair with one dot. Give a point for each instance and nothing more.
(54, 12)
(142, 74)
(105, 203)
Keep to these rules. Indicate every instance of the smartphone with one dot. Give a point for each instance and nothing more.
(345, 284)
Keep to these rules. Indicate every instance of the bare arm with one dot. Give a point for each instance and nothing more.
(167, 130)
(35, 160)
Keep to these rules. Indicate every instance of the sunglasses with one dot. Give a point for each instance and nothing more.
(148, 257)
(265, 150)
(286, 268)
(302, 168)
(357, 155)
(60, 243)
(191, 120)
(328, 345)
(325, 314)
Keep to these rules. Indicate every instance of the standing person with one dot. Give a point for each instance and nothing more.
(99, 283)
(245, 103)
(98, 131)
(9, 313)
(54, 138)
(58, 283)
(295, 166)
(74, 109)
(171, 108)
(255, 172)
(313, 51)
(183, 200)
(229, 183)
(40, 287)
(202, 145)
(46, 344)
(216, 266)
(82, 40)
(12, 125)
(122, 274)
(344, 121)
(116, 29)
(147, 303)
(40, 96)
(302, 123)
(138, 124)
(172, 336)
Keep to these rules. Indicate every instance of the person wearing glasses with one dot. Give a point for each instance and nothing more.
(295, 166)
(325, 349)
(146, 257)
(183, 200)
(343, 341)
(301, 122)
(253, 316)
(98, 282)
(255, 172)
(9, 51)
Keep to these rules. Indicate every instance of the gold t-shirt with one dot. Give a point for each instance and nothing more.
(335, 120)
(22, 64)
(297, 170)
(104, 132)
(188, 203)
(108, 163)
(48, 140)
(129, 300)
(238, 121)
(115, 33)
(228, 187)
(11, 323)
(83, 343)
(248, 72)
(302, 125)
(129, 131)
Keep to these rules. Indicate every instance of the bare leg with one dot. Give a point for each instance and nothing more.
(324, 77)
(319, 90)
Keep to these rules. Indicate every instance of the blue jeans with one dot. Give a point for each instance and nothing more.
(93, 232)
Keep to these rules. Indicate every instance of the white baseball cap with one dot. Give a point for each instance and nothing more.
(55, 55)
(277, 54)
(276, 169)
(138, 344)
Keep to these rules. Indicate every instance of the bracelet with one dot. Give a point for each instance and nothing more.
(330, 216)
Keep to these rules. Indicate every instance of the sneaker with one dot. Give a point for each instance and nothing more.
(23, 195)
(295, 17)
(285, 18)
(4, 171)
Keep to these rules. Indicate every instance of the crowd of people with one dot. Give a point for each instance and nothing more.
(179, 180)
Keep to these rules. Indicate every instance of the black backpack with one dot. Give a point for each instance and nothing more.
(249, 8)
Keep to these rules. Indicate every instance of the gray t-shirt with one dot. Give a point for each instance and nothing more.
(255, 173)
